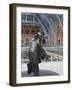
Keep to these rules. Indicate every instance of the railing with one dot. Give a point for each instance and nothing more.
(52, 56)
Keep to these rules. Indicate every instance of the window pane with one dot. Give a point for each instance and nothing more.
(26, 31)
(23, 17)
(29, 17)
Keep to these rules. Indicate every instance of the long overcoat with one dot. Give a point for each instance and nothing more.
(34, 57)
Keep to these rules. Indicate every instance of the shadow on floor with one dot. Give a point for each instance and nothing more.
(41, 73)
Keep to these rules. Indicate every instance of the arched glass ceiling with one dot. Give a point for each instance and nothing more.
(47, 21)
(55, 18)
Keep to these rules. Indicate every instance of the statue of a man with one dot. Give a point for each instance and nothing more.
(36, 53)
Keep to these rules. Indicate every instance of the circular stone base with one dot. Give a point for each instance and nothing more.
(41, 73)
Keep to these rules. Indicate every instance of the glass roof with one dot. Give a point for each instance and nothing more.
(46, 21)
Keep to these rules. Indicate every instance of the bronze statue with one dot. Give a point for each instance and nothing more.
(36, 54)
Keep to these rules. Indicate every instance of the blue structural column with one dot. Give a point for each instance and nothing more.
(49, 39)
(46, 40)
(55, 39)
